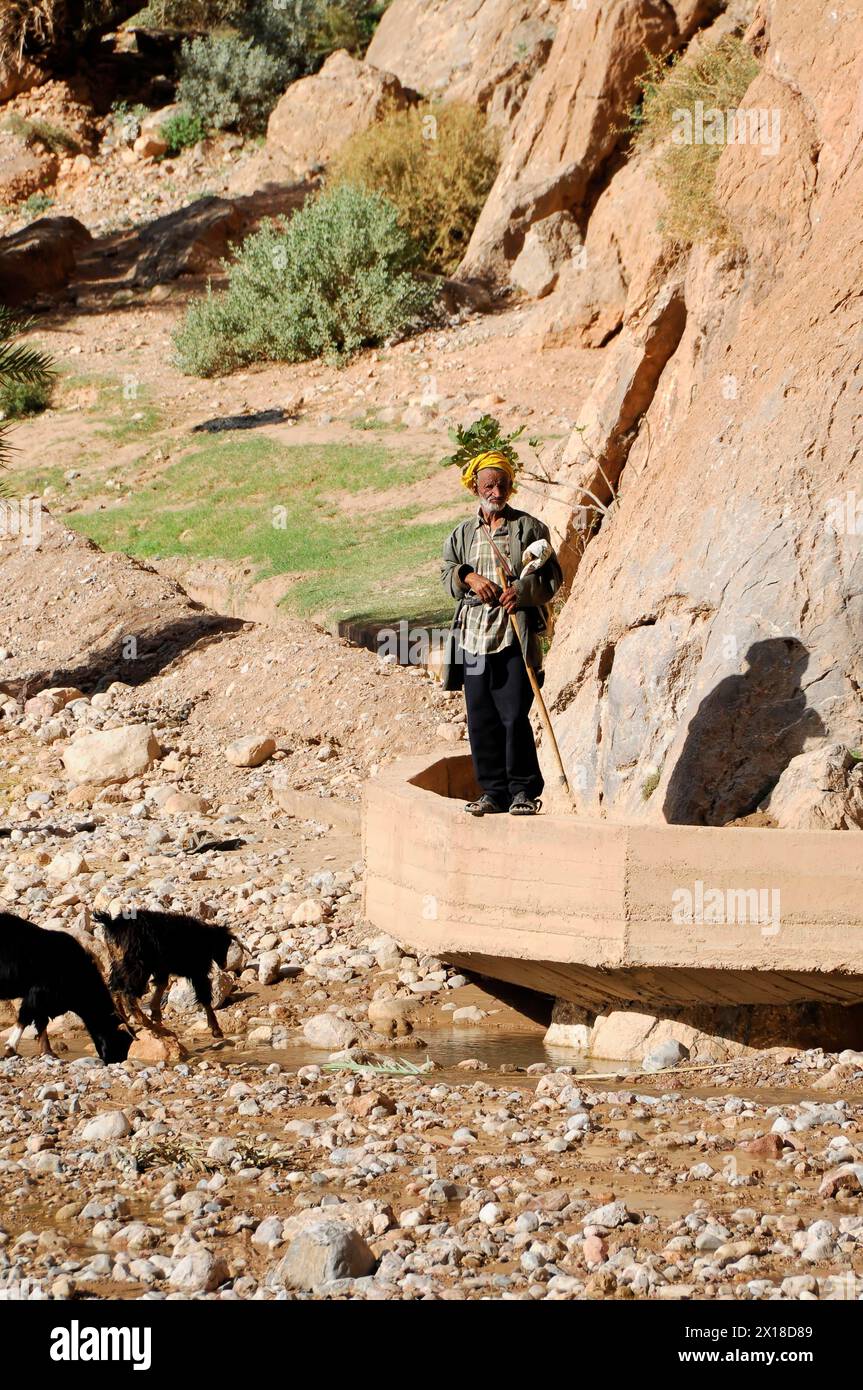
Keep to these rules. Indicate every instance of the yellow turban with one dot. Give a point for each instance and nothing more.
(492, 458)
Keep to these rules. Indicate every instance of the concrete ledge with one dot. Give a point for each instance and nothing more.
(583, 909)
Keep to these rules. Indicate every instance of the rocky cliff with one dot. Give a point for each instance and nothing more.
(714, 627)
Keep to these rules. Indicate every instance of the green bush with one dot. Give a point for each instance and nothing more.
(338, 275)
(436, 164)
(718, 76)
(36, 204)
(19, 399)
(236, 78)
(231, 81)
(182, 130)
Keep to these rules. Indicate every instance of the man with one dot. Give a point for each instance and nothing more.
(485, 653)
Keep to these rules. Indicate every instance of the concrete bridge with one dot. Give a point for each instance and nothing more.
(611, 916)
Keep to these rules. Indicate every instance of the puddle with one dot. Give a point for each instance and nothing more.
(446, 1048)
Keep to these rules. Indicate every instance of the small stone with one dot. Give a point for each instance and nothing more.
(268, 1233)
(612, 1214)
(269, 966)
(185, 803)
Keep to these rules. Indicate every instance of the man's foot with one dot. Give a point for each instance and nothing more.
(484, 806)
(524, 805)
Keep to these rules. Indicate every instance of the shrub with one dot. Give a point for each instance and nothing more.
(718, 76)
(336, 276)
(182, 15)
(36, 204)
(231, 81)
(19, 399)
(236, 78)
(436, 164)
(44, 133)
(182, 131)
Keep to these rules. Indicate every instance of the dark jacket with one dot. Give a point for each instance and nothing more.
(534, 592)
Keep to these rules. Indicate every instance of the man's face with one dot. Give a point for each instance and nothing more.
(493, 488)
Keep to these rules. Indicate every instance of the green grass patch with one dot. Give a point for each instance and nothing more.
(254, 500)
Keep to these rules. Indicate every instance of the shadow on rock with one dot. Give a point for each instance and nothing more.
(742, 737)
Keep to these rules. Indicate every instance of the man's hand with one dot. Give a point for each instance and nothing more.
(483, 588)
(509, 599)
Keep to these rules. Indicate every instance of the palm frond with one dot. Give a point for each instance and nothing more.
(20, 363)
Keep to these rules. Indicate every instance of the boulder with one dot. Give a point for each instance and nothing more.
(111, 755)
(181, 995)
(316, 116)
(250, 751)
(821, 789)
(328, 1032)
(323, 1252)
(483, 53)
(41, 258)
(149, 145)
(51, 701)
(548, 245)
(189, 241)
(392, 1016)
(571, 124)
(369, 1218)
(198, 1272)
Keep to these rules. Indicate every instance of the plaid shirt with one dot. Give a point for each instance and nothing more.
(485, 628)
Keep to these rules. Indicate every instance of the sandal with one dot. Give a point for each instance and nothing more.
(485, 805)
(524, 805)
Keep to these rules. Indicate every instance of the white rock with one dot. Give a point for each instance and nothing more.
(110, 1125)
(269, 965)
(328, 1031)
(111, 755)
(68, 864)
(199, 1272)
(308, 914)
(250, 751)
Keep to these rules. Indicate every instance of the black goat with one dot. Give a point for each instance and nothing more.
(52, 974)
(158, 945)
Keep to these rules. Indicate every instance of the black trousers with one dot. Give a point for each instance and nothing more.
(498, 697)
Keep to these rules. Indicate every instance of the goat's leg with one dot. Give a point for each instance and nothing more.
(156, 1001)
(13, 1040)
(204, 995)
(45, 1048)
(123, 1013)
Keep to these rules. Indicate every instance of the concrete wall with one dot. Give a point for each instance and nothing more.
(583, 909)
